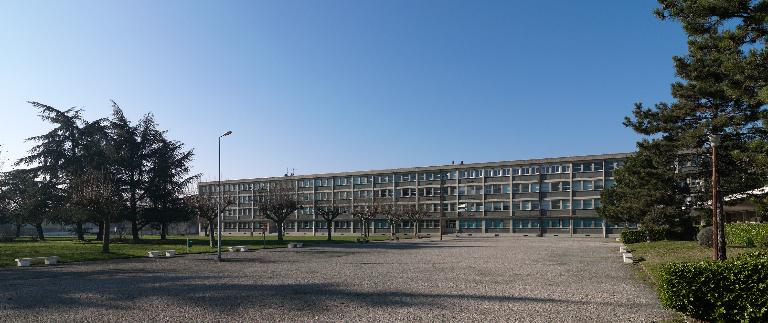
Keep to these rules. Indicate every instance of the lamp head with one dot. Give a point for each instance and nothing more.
(714, 139)
(227, 133)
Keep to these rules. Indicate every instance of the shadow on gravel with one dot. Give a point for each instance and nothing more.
(393, 245)
(123, 289)
(258, 260)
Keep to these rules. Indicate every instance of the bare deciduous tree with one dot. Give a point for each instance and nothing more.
(368, 212)
(205, 207)
(329, 215)
(96, 192)
(394, 217)
(415, 214)
(278, 202)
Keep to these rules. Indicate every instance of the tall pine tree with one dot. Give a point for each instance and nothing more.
(722, 91)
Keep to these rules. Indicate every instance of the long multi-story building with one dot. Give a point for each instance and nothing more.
(550, 196)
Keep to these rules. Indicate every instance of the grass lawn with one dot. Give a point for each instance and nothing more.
(69, 249)
(656, 254)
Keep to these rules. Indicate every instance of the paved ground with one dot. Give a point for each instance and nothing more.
(470, 279)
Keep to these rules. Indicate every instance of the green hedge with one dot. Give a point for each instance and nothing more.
(746, 234)
(643, 235)
(633, 236)
(733, 290)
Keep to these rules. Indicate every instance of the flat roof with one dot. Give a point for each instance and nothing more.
(435, 168)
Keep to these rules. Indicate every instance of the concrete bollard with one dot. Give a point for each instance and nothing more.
(627, 258)
(52, 260)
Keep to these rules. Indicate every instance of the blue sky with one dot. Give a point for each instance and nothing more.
(323, 86)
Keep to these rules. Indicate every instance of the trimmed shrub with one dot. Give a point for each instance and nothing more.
(643, 235)
(763, 243)
(754, 255)
(704, 237)
(733, 290)
(633, 236)
(745, 234)
(7, 233)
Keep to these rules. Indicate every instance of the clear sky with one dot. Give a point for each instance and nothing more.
(324, 86)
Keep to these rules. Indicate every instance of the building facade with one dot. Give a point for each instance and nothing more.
(551, 196)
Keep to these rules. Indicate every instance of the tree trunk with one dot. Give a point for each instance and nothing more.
(100, 233)
(40, 234)
(279, 228)
(721, 253)
(135, 230)
(210, 233)
(415, 228)
(329, 225)
(79, 231)
(163, 231)
(105, 240)
(18, 230)
(134, 209)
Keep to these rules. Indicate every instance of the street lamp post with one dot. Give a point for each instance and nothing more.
(221, 199)
(718, 230)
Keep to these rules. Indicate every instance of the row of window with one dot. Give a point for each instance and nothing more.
(409, 177)
(523, 205)
(462, 224)
(469, 173)
(526, 223)
(561, 186)
(236, 187)
(562, 204)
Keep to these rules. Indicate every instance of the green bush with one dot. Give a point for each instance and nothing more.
(633, 236)
(754, 255)
(763, 243)
(656, 234)
(704, 237)
(733, 290)
(746, 234)
(643, 235)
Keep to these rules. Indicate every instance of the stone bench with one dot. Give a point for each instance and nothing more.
(156, 253)
(622, 249)
(238, 249)
(26, 262)
(295, 245)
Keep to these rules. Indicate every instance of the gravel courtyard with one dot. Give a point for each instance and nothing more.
(463, 279)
